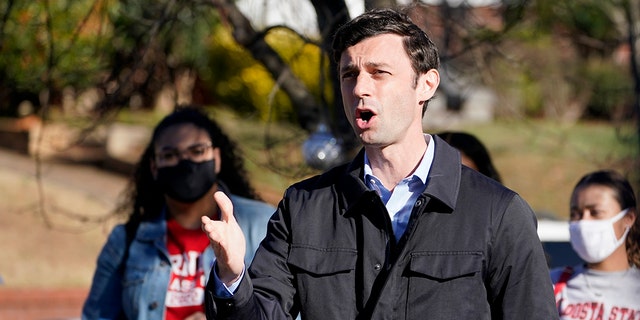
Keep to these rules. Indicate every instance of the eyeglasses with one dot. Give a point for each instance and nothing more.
(171, 156)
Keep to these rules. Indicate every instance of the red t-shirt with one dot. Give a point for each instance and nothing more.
(187, 281)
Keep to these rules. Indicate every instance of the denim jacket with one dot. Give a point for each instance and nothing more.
(141, 290)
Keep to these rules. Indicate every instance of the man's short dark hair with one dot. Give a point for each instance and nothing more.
(421, 50)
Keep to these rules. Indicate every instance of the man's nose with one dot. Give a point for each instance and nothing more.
(362, 86)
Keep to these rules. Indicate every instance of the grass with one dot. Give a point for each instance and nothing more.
(541, 160)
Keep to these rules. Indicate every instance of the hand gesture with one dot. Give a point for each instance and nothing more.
(227, 240)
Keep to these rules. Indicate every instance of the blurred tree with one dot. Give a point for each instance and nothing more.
(308, 107)
(157, 43)
(130, 50)
(562, 53)
(236, 79)
(43, 43)
(330, 15)
(588, 35)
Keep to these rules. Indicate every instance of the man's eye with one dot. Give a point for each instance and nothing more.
(348, 75)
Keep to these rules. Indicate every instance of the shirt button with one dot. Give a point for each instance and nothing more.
(229, 304)
(153, 305)
(377, 267)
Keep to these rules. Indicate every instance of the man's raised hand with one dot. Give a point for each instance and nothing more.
(227, 240)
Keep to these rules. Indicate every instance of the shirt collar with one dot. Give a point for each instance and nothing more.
(421, 172)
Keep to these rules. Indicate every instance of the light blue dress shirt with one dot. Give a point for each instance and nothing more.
(399, 201)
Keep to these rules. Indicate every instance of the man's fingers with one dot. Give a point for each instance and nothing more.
(225, 206)
(205, 221)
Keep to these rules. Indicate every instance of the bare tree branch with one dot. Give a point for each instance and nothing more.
(306, 105)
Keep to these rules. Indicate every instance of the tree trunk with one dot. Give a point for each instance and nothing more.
(331, 15)
(304, 102)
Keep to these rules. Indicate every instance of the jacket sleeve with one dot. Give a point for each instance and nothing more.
(518, 273)
(268, 290)
(104, 299)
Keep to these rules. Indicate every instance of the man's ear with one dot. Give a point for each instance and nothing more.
(427, 85)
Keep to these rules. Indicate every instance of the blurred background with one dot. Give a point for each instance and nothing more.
(551, 87)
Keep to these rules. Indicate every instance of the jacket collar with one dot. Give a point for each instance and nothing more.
(155, 229)
(444, 176)
(351, 186)
(443, 182)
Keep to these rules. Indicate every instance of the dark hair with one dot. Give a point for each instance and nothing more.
(474, 149)
(421, 50)
(143, 196)
(626, 198)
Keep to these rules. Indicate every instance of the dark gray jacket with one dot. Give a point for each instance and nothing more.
(470, 251)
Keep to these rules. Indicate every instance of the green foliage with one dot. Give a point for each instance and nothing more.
(590, 24)
(531, 95)
(612, 90)
(543, 159)
(80, 43)
(590, 18)
(41, 44)
(305, 59)
(227, 65)
(561, 63)
(180, 30)
(522, 81)
(238, 80)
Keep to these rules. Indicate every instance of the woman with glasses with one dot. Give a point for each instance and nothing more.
(157, 264)
(605, 232)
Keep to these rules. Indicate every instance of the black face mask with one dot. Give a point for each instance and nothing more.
(187, 181)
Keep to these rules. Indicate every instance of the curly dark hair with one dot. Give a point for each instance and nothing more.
(625, 196)
(144, 199)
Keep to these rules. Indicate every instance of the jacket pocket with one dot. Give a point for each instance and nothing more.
(446, 265)
(324, 279)
(447, 285)
(322, 261)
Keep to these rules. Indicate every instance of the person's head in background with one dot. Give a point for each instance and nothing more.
(604, 228)
(188, 158)
(473, 152)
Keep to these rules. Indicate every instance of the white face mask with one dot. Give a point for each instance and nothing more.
(595, 240)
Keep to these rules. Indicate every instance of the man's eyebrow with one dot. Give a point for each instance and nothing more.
(374, 64)
(347, 68)
(351, 66)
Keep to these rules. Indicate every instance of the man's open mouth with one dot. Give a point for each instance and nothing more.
(365, 115)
